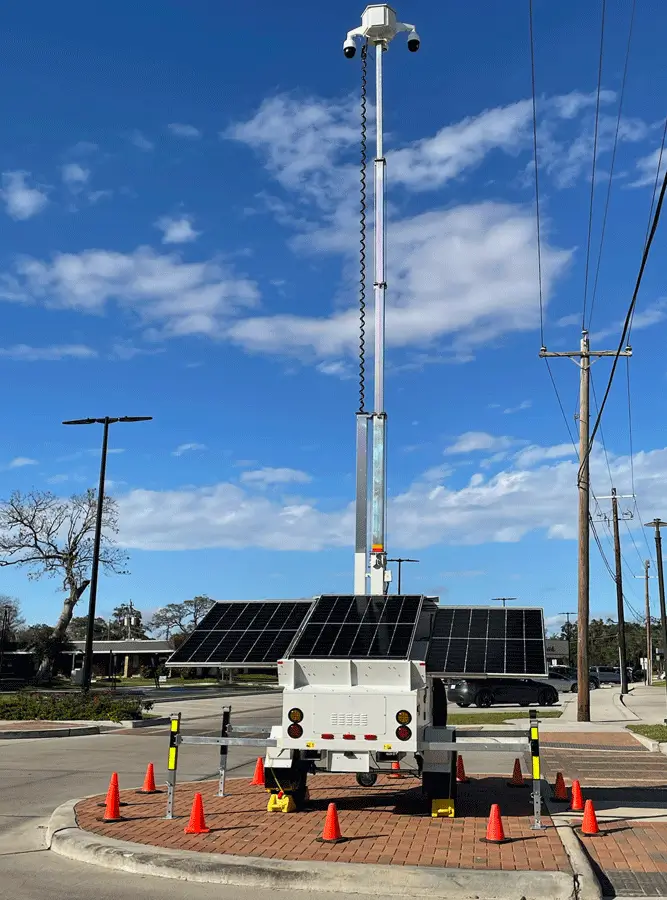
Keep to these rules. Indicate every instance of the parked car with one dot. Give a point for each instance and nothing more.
(486, 692)
(568, 674)
(607, 674)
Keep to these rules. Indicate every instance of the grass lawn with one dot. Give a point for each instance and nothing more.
(497, 718)
(654, 732)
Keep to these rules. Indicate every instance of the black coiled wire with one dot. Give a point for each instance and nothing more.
(362, 251)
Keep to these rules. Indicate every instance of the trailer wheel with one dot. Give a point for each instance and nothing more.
(366, 779)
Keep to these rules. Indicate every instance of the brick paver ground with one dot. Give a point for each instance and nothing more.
(35, 725)
(385, 824)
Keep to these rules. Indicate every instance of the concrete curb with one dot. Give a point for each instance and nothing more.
(67, 839)
(77, 730)
(587, 886)
(619, 703)
(650, 744)
(110, 727)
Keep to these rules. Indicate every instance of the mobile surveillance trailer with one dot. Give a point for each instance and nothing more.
(363, 681)
(363, 674)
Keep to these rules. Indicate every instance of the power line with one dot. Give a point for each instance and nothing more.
(628, 317)
(537, 178)
(595, 154)
(613, 162)
(602, 440)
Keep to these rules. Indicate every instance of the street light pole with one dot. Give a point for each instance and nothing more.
(569, 635)
(97, 540)
(504, 600)
(400, 560)
(658, 524)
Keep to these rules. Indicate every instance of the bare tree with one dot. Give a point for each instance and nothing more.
(185, 616)
(52, 536)
(15, 620)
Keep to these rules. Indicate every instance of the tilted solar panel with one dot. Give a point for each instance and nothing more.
(481, 641)
(236, 633)
(359, 627)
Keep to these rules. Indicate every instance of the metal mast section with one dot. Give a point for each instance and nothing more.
(378, 27)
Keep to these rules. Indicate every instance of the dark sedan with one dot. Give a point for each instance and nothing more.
(488, 691)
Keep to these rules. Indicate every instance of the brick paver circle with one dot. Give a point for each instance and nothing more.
(386, 824)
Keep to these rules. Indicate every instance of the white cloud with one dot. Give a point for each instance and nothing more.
(525, 404)
(499, 509)
(177, 231)
(141, 141)
(21, 201)
(468, 273)
(187, 448)
(178, 129)
(268, 476)
(653, 314)
(173, 297)
(534, 454)
(74, 176)
(646, 169)
(472, 441)
(20, 461)
(26, 353)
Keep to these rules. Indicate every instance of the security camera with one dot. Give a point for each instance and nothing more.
(413, 42)
(349, 48)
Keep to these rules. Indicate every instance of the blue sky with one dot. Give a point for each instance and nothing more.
(180, 239)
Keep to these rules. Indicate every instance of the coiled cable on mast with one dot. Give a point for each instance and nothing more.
(362, 242)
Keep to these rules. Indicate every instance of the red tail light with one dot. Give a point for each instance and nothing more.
(327, 737)
(295, 731)
(403, 733)
(349, 737)
(370, 737)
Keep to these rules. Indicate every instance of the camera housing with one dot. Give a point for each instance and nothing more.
(414, 42)
(349, 48)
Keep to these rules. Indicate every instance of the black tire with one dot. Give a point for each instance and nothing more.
(463, 705)
(575, 688)
(484, 699)
(366, 779)
(547, 697)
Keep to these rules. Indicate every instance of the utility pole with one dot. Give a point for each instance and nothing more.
(569, 635)
(400, 560)
(379, 27)
(647, 613)
(4, 631)
(658, 524)
(503, 599)
(620, 610)
(582, 359)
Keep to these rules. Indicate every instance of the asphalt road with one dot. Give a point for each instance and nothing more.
(37, 775)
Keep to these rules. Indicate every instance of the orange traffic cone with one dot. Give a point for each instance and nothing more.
(197, 825)
(517, 776)
(113, 786)
(112, 805)
(149, 782)
(395, 770)
(577, 801)
(331, 833)
(461, 776)
(589, 827)
(560, 791)
(494, 830)
(258, 777)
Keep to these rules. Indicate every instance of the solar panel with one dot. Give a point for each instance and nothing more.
(236, 633)
(481, 641)
(359, 627)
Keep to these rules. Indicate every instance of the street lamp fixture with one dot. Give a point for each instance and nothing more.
(106, 422)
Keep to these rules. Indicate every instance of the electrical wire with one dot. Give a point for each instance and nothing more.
(362, 239)
(595, 155)
(602, 440)
(613, 162)
(537, 177)
(628, 319)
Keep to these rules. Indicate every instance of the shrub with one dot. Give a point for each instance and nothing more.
(61, 707)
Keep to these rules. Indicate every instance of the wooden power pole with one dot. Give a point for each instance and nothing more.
(582, 358)
(658, 524)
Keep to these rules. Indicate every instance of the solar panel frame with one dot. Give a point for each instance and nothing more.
(479, 640)
(359, 627)
(253, 633)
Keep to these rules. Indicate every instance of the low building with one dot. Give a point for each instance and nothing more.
(122, 658)
(558, 652)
